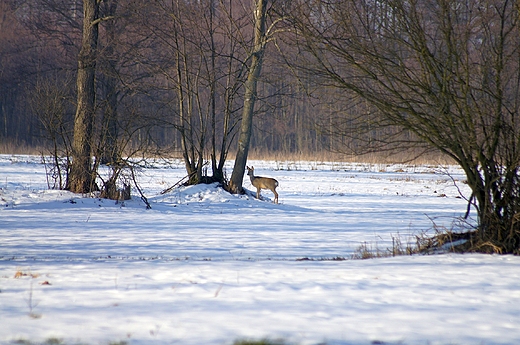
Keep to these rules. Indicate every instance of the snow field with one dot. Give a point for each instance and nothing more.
(206, 267)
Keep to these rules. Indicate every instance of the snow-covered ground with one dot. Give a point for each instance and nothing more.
(206, 267)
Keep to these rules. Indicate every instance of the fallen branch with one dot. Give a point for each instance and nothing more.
(169, 189)
(143, 197)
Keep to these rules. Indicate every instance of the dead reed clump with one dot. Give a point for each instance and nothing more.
(368, 251)
(443, 241)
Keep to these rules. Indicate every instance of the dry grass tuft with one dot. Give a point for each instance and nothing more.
(265, 341)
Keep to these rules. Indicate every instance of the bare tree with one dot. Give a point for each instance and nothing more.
(82, 176)
(108, 150)
(446, 74)
(199, 68)
(51, 103)
(97, 135)
(253, 73)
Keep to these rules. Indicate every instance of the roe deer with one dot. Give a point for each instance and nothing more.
(262, 183)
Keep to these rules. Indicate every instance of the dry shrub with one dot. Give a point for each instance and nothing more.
(20, 274)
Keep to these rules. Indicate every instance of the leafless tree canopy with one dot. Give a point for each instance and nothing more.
(446, 73)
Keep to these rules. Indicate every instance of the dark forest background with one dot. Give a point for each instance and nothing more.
(137, 78)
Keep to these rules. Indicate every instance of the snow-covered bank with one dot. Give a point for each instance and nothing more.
(206, 267)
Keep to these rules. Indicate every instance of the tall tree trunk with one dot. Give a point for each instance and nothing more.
(109, 150)
(81, 176)
(235, 185)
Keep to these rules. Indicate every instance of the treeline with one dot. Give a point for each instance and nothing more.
(160, 66)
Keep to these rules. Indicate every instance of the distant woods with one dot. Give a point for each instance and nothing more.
(169, 79)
